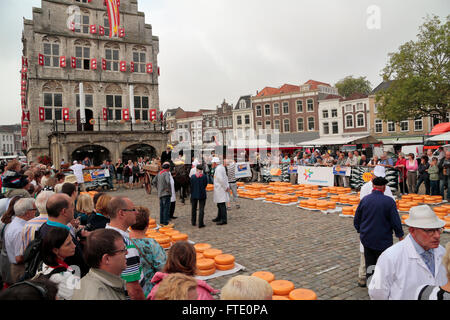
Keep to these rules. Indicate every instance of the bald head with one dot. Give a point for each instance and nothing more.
(57, 203)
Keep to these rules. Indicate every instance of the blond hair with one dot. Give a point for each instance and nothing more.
(246, 288)
(446, 260)
(85, 203)
(102, 204)
(176, 286)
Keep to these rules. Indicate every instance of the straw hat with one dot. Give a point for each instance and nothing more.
(70, 179)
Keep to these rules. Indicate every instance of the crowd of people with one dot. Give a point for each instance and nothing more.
(60, 244)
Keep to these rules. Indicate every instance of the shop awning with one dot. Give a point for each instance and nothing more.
(366, 139)
(440, 128)
(440, 137)
(402, 140)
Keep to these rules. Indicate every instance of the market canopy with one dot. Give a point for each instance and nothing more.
(402, 140)
(440, 128)
(440, 137)
(366, 139)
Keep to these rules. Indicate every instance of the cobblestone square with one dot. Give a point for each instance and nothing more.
(314, 251)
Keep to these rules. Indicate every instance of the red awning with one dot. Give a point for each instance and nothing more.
(440, 128)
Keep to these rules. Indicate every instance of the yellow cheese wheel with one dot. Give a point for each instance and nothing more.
(440, 210)
(165, 229)
(200, 247)
(224, 267)
(162, 239)
(165, 245)
(205, 273)
(282, 287)
(205, 264)
(180, 237)
(224, 259)
(212, 253)
(172, 233)
(302, 294)
(200, 256)
(331, 205)
(265, 275)
(279, 298)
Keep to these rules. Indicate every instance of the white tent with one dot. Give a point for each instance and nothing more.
(338, 141)
(440, 137)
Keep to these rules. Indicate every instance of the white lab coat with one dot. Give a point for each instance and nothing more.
(173, 198)
(221, 185)
(367, 189)
(400, 271)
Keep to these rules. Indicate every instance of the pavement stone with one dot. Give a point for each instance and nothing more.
(314, 251)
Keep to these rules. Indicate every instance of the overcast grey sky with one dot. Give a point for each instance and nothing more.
(212, 50)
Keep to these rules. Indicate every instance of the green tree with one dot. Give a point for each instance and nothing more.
(419, 75)
(349, 85)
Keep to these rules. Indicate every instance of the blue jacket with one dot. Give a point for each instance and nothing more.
(198, 187)
(375, 219)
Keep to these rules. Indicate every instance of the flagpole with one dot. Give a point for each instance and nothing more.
(133, 115)
(82, 106)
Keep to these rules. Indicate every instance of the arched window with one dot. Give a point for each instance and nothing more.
(258, 111)
(286, 125)
(83, 54)
(311, 124)
(139, 59)
(112, 56)
(51, 46)
(88, 95)
(300, 126)
(113, 95)
(52, 94)
(84, 22)
(141, 103)
(360, 120)
(349, 121)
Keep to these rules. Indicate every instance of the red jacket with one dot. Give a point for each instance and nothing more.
(204, 290)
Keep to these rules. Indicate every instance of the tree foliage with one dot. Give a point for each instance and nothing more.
(350, 85)
(420, 75)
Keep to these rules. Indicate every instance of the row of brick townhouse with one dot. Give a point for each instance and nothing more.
(300, 114)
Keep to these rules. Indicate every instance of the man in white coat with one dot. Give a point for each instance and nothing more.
(221, 191)
(413, 262)
(366, 189)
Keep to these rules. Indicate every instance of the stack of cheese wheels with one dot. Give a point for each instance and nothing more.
(440, 212)
(152, 224)
(404, 206)
(315, 194)
(347, 211)
(165, 229)
(164, 241)
(323, 193)
(418, 198)
(179, 237)
(171, 233)
(265, 275)
(240, 184)
(437, 199)
(201, 247)
(210, 187)
(304, 203)
(322, 205)
(354, 209)
(413, 203)
(428, 200)
(332, 189)
(302, 294)
(282, 287)
(312, 204)
(200, 256)
(335, 197)
(306, 193)
(404, 217)
(205, 267)
(447, 223)
(224, 262)
(353, 200)
(331, 204)
(299, 193)
(211, 253)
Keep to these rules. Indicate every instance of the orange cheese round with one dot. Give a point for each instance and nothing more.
(279, 298)
(302, 294)
(200, 256)
(165, 245)
(211, 253)
(224, 267)
(224, 259)
(205, 273)
(265, 275)
(165, 229)
(172, 233)
(200, 247)
(180, 237)
(282, 287)
(205, 264)
(162, 239)
(440, 210)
